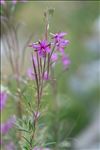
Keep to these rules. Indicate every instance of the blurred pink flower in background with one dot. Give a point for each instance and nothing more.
(3, 99)
(2, 1)
(66, 61)
(5, 127)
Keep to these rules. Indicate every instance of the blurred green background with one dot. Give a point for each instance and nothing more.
(77, 99)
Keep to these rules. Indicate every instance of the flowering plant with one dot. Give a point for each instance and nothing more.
(45, 54)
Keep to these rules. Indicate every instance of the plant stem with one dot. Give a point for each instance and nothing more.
(39, 77)
(38, 98)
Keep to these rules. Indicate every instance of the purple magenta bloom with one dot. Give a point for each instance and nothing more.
(5, 127)
(66, 61)
(43, 47)
(3, 99)
(60, 42)
(59, 36)
(2, 1)
(30, 73)
(61, 45)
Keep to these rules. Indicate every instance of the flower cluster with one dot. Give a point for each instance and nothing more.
(43, 47)
(50, 53)
(45, 54)
(60, 42)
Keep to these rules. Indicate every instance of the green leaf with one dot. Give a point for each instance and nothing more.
(26, 140)
(25, 147)
(21, 129)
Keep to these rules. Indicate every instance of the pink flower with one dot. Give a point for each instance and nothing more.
(2, 1)
(43, 47)
(66, 61)
(5, 127)
(61, 45)
(60, 42)
(59, 36)
(3, 99)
